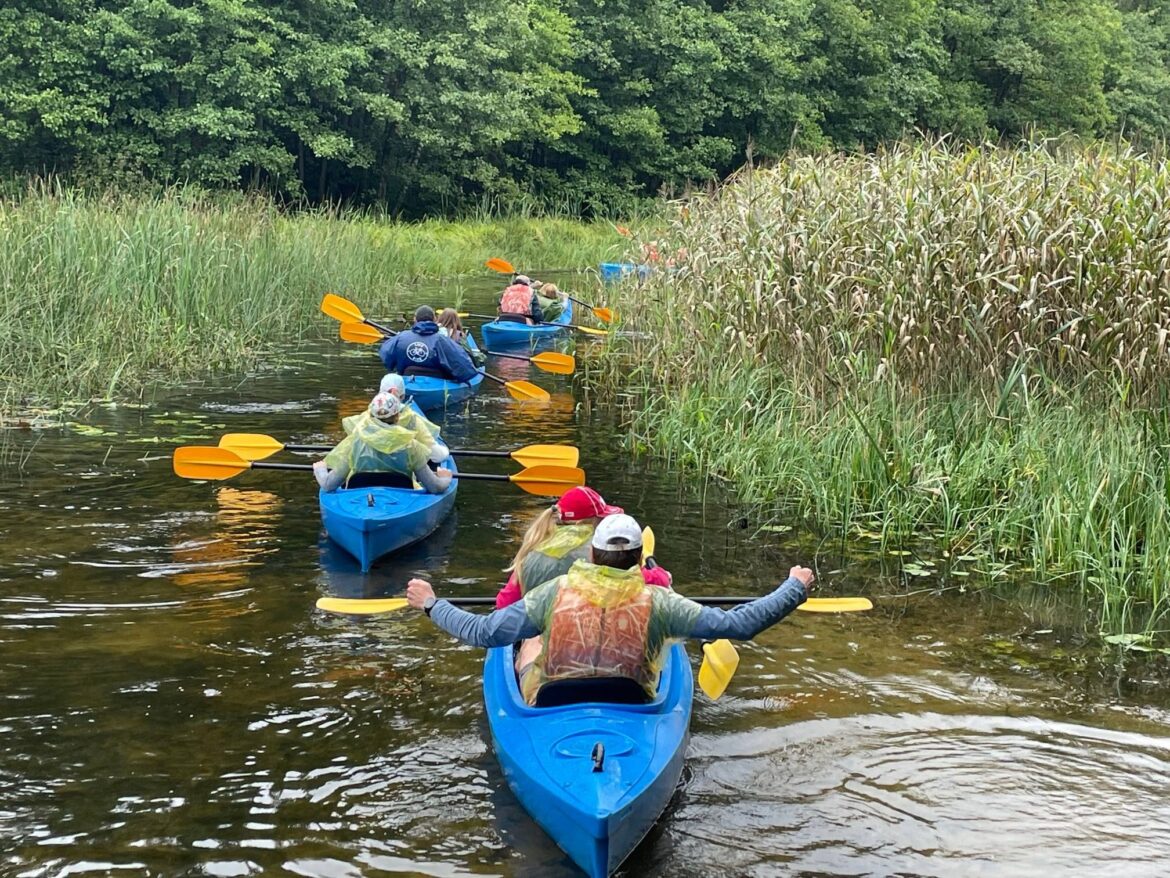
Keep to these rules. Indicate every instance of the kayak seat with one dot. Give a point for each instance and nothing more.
(607, 690)
(424, 372)
(514, 318)
(380, 480)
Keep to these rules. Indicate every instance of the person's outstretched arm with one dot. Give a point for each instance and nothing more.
(497, 628)
(745, 621)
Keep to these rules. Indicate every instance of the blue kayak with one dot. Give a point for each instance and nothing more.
(596, 776)
(615, 271)
(508, 333)
(370, 522)
(436, 393)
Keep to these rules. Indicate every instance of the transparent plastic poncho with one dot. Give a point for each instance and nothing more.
(425, 431)
(554, 557)
(601, 622)
(375, 447)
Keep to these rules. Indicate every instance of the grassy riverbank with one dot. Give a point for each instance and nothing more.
(960, 354)
(99, 295)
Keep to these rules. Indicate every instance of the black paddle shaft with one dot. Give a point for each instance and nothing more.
(302, 467)
(458, 452)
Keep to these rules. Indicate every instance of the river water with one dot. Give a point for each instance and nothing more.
(173, 704)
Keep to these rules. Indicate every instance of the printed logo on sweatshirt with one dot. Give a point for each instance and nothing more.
(417, 352)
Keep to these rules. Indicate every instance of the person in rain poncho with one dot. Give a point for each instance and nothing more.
(409, 417)
(377, 443)
(601, 620)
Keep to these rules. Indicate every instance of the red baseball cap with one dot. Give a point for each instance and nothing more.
(579, 503)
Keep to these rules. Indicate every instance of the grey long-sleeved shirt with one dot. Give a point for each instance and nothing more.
(680, 617)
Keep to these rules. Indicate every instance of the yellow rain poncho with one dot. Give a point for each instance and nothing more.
(601, 622)
(554, 557)
(374, 446)
(425, 431)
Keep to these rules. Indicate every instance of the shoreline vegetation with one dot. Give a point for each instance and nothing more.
(101, 295)
(957, 351)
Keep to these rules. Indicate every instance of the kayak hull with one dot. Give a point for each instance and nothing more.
(611, 272)
(596, 817)
(509, 334)
(430, 393)
(370, 523)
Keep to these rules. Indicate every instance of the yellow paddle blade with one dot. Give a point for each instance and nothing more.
(558, 364)
(589, 330)
(362, 333)
(526, 392)
(361, 607)
(836, 605)
(206, 462)
(250, 446)
(605, 315)
(341, 309)
(549, 481)
(503, 266)
(719, 663)
(536, 455)
(647, 543)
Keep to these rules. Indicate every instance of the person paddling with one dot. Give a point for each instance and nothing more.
(378, 444)
(601, 620)
(552, 301)
(519, 303)
(423, 350)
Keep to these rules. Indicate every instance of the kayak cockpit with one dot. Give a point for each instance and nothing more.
(591, 690)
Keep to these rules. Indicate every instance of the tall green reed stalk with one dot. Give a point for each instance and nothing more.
(962, 347)
(98, 294)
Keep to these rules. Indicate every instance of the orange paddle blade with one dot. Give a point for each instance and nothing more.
(250, 446)
(361, 333)
(558, 364)
(836, 605)
(503, 266)
(589, 330)
(647, 543)
(535, 455)
(527, 392)
(549, 481)
(605, 315)
(341, 309)
(206, 462)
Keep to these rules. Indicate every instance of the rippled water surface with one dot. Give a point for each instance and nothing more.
(173, 704)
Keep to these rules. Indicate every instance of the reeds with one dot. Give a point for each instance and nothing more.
(97, 294)
(959, 348)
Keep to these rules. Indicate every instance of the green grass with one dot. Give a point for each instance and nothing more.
(962, 350)
(99, 294)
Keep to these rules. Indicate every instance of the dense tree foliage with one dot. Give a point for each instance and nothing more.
(431, 105)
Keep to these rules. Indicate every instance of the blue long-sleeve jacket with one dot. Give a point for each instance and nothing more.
(513, 623)
(423, 347)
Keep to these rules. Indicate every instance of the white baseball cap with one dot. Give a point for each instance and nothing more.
(617, 533)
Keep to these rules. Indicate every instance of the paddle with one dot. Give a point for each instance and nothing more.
(361, 333)
(345, 311)
(588, 330)
(211, 463)
(375, 606)
(549, 361)
(605, 315)
(257, 446)
(523, 391)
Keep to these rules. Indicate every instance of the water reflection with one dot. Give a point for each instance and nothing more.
(173, 703)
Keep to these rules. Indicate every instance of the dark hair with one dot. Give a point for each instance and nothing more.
(423, 313)
(619, 559)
